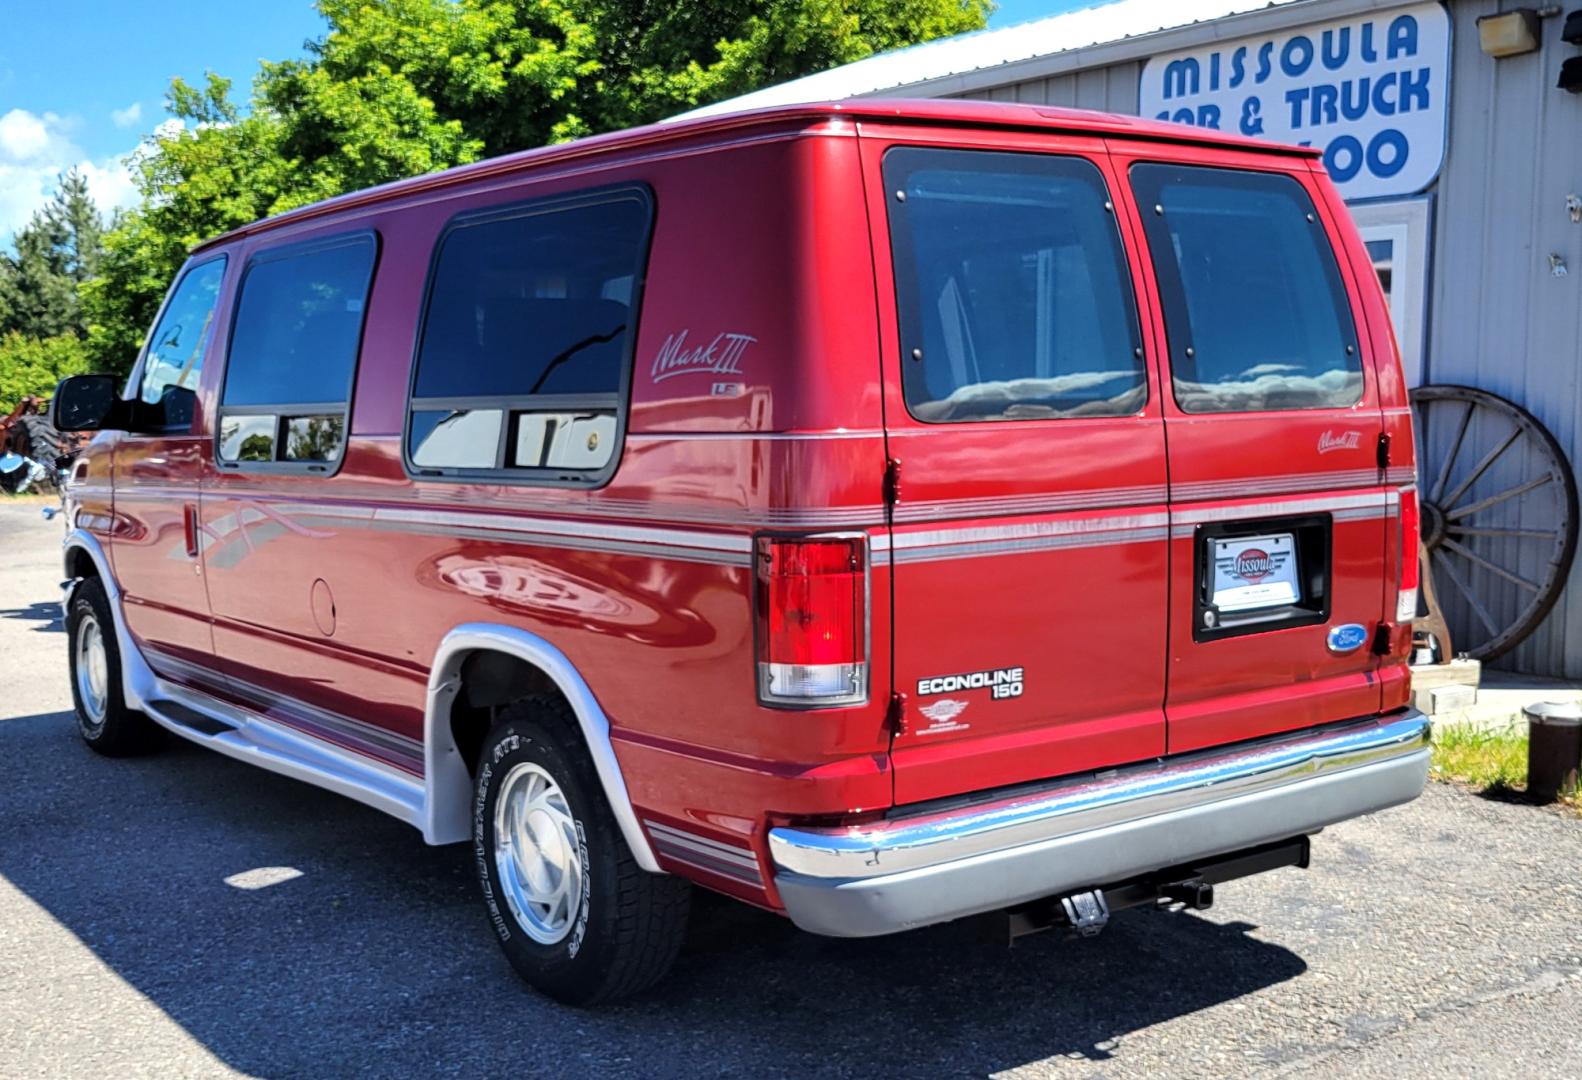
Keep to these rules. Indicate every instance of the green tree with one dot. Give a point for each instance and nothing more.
(55, 253)
(401, 87)
(215, 171)
(405, 86)
(32, 366)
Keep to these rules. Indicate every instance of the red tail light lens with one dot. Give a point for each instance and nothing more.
(1411, 527)
(812, 621)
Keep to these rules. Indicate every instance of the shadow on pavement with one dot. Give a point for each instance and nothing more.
(46, 613)
(377, 960)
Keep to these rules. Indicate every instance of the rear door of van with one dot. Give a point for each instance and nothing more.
(1023, 420)
(1278, 509)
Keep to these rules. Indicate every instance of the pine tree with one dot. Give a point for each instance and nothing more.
(73, 205)
(54, 253)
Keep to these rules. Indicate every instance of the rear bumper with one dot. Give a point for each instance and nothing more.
(930, 867)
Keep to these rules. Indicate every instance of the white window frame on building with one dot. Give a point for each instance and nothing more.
(1403, 224)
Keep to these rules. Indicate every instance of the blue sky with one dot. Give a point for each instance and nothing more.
(81, 81)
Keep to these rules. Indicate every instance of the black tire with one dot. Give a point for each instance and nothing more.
(117, 731)
(629, 924)
(41, 442)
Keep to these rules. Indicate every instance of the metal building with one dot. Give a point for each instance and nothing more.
(1457, 140)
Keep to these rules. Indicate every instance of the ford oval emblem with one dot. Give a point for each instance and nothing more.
(1348, 637)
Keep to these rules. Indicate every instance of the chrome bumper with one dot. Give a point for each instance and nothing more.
(930, 867)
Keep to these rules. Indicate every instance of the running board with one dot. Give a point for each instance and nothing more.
(248, 736)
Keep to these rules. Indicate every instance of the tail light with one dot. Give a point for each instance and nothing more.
(812, 621)
(1406, 599)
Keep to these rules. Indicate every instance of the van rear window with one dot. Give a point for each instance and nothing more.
(527, 337)
(1013, 292)
(1254, 305)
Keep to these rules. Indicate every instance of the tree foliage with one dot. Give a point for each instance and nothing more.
(401, 87)
(55, 253)
(31, 366)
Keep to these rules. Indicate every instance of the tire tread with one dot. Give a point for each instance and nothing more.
(650, 910)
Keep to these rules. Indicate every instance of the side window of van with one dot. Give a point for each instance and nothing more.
(1253, 300)
(294, 343)
(526, 339)
(174, 358)
(1011, 282)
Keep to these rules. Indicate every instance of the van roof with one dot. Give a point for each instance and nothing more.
(986, 114)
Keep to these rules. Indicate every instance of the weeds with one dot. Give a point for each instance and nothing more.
(1495, 762)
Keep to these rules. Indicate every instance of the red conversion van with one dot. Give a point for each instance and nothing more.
(881, 513)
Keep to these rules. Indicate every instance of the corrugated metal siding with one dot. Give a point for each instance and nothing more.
(1498, 318)
(1109, 89)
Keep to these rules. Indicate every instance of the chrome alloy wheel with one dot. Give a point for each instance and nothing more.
(538, 854)
(93, 670)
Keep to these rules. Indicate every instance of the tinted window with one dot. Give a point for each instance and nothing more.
(1254, 305)
(293, 352)
(527, 336)
(174, 358)
(1012, 287)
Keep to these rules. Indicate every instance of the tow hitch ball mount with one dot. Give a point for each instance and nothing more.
(1088, 912)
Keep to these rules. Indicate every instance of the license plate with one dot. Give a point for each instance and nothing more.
(1252, 572)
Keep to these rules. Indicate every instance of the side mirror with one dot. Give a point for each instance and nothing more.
(85, 403)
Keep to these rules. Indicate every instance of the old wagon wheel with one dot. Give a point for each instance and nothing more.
(1499, 515)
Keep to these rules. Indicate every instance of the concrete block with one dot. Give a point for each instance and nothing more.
(1438, 700)
(1461, 672)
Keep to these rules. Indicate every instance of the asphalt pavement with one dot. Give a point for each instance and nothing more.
(187, 915)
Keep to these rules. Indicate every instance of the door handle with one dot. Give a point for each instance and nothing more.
(189, 528)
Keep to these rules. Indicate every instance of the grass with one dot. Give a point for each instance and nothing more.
(1493, 761)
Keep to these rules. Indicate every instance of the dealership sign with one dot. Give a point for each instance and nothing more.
(1369, 91)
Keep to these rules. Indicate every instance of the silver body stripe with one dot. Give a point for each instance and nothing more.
(293, 708)
(1275, 485)
(978, 540)
(753, 436)
(1340, 507)
(519, 508)
(1013, 547)
(662, 539)
(1314, 505)
(1010, 505)
(732, 549)
(1028, 530)
(706, 853)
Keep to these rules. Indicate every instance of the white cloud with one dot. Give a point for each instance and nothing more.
(110, 183)
(23, 135)
(35, 151)
(128, 116)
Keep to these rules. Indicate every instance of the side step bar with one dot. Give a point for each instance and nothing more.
(256, 739)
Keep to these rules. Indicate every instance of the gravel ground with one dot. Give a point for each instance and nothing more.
(1442, 938)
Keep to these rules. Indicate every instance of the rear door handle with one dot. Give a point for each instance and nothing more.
(189, 528)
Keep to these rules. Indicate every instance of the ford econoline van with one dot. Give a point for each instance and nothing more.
(881, 513)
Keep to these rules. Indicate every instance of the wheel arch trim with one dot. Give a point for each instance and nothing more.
(137, 678)
(449, 782)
